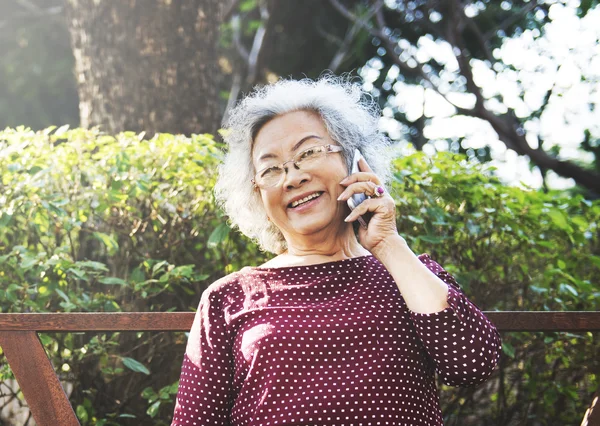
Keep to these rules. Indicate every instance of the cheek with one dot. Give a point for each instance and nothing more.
(269, 200)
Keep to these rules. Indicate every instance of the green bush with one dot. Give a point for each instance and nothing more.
(511, 249)
(92, 222)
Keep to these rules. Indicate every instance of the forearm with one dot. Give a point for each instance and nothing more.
(421, 289)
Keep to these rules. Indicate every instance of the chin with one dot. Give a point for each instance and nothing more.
(307, 226)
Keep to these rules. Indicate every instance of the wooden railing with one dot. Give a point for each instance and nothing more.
(50, 406)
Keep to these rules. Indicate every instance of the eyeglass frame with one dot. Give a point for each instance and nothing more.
(329, 149)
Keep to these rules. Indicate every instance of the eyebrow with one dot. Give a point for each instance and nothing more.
(295, 147)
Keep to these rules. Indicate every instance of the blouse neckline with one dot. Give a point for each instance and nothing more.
(342, 262)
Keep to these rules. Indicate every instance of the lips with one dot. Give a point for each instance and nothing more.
(299, 201)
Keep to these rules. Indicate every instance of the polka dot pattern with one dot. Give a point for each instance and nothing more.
(327, 344)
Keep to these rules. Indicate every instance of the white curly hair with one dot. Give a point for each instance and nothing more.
(350, 116)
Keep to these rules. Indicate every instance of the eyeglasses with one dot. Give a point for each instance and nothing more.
(273, 175)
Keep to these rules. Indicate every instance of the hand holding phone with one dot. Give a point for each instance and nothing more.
(356, 199)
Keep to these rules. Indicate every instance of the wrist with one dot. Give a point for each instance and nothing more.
(390, 248)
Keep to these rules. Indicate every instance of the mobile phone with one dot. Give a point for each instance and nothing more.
(356, 199)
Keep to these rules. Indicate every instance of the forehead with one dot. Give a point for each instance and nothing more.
(279, 135)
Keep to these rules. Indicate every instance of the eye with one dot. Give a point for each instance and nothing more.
(309, 153)
(270, 171)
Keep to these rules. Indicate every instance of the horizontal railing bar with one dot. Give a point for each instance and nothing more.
(98, 321)
(559, 321)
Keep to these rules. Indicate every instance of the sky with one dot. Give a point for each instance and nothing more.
(564, 58)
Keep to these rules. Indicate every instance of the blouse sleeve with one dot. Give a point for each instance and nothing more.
(461, 341)
(205, 396)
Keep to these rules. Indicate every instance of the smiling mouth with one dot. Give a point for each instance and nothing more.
(304, 200)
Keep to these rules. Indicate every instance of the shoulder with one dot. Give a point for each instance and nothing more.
(234, 288)
(225, 288)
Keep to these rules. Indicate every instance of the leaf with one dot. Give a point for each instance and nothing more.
(137, 275)
(111, 244)
(28, 262)
(82, 413)
(219, 235)
(174, 388)
(13, 287)
(78, 273)
(5, 219)
(153, 409)
(127, 416)
(537, 289)
(564, 288)
(158, 266)
(134, 365)
(63, 295)
(112, 281)
(247, 5)
(595, 260)
(508, 349)
(149, 394)
(48, 130)
(45, 339)
(559, 219)
(431, 239)
(415, 219)
(61, 130)
(93, 265)
(185, 271)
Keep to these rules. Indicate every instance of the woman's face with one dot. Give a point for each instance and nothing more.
(278, 141)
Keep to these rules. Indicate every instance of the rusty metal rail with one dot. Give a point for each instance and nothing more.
(49, 403)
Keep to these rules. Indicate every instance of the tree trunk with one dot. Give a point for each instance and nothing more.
(147, 65)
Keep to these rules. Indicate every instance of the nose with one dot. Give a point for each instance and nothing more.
(294, 176)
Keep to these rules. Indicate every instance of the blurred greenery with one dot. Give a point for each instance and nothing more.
(401, 49)
(97, 222)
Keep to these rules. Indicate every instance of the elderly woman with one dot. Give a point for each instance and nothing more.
(345, 325)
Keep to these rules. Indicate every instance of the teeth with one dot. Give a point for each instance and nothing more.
(305, 199)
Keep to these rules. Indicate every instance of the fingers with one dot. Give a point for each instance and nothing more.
(383, 205)
(367, 188)
(361, 177)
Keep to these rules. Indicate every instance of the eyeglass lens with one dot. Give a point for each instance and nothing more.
(273, 175)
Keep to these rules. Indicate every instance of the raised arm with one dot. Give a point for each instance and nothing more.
(462, 342)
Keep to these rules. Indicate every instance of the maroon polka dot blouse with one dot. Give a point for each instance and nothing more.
(327, 344)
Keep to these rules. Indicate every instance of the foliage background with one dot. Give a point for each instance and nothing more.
(515, 82)
(97, 222)
(123, 222)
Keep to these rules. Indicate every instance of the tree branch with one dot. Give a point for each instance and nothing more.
(237, 37)
(228, 11)
(259, 37)
(481, 40)
(511, 20)
(507, 127)
(388, 44)
(418, 70)
(236, 86)
(350, 34)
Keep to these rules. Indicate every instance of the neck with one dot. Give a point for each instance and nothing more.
(321, 247)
